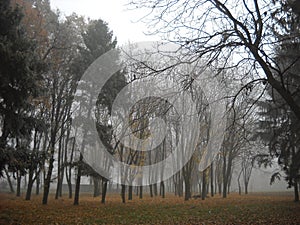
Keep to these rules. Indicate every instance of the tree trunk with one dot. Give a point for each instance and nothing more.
(151, 190)
(96, 182)
(246, 188)
(296, 192)
(47, 179)
(130, 190)
(59, 182)
(225, 178)
(228, 185)
(203, 194)
(69, 170)
(37, 182)
(123, 192)
(19, 178)
(162, 189)
(78, 179)
(104, 190)
(239, 183)
(187, 193)
(200, 189)
(141, 192)
(212, 179)
(29, 185)
(9, 181)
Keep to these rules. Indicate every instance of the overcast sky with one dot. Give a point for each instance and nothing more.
(114, 12)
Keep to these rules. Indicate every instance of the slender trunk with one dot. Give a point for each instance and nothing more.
(70, 188)
(212, 179)
(228, 185)
(9, 181)
(296, 192)
(207, 188)
(175, 188)
(123, 192)
(29, 186)
(37, 182)
(59, 167)
(151, 191)
(130, 190)
(104, 190)
(61, 181)
(187, 193)
(19, 178)
(246, 188)
(69, 170)
(77, 186)
(203, 194)
(56, 106)
(224, 178)
(239, 183)
(200, 189)
(162, 189)
(47, 180)
(141, 192)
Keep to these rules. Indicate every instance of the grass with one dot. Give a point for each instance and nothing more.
(250, 209)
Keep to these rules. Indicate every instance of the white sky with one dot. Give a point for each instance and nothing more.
(114, 12)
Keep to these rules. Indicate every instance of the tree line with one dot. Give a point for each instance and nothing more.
(44, 55)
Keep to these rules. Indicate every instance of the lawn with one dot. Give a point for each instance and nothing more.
(250, 209)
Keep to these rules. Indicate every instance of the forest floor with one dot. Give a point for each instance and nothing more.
(276, 208)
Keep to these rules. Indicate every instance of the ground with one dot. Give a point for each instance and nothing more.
(263, 208)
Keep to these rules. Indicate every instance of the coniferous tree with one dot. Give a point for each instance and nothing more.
(19, 75)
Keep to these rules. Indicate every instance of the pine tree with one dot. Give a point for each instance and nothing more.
(19, 75)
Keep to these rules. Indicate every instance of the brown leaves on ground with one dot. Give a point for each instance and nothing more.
(251, 209)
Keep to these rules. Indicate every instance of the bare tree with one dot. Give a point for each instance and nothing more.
(218, 31)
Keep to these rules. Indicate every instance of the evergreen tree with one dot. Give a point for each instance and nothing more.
(280, 127)
(19, 75)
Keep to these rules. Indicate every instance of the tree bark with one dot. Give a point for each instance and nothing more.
(151, 190)
(104, 190)
(141, 192)
(246, 188)
(187, 193)
(162, 189)
(37, 182)
(19, 179)
(239, 183)
(47, 179)
(96, 182)
(9, 181)
(224, 178)
(130, 190)
(123, 192)
(203, 194)
(296, 192)
(78, 179)
(29, 186)
(212, 179)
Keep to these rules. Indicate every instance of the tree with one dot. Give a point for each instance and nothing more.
(19, 75)
(217, 31)
(276, 116)
(97, 40)
(62, 85)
